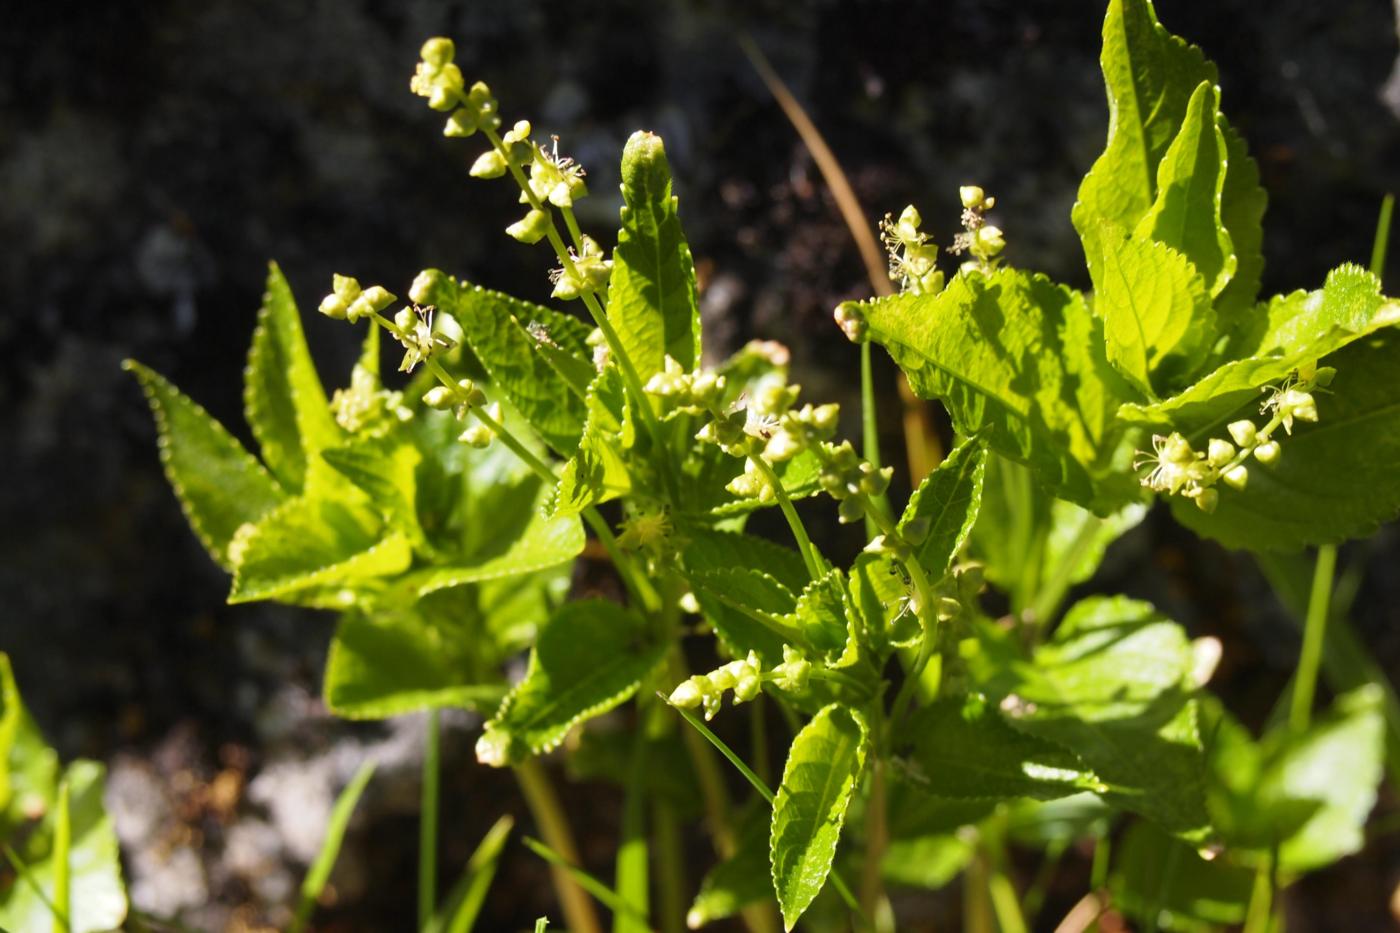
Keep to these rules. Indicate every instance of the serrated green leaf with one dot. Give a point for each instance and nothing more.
(651, 295)
(1186, 214)
(1157, 317)
(283, 399)
(962, 747)
(219, 484)
(1294, 329)
(749, 610)
(1150, 75)
(97, 897)
(945, 507)
(591, 656)
(437, 653)
(707, 549)
(310, 544)
(1337, 479)
(1242, 205)
(822, 771)
(597, 471)
(515, 536)
(1113, 683)
(1161, 880)
(1019, 362)
(828, 619)
(386, 472)
(881, 591)
(738, 881)
(505, 334)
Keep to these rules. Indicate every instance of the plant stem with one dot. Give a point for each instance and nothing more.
(670, 875)
(1314, 634)
(872, 888)
(870, 428)
(428, 823)
(1382, 240)
(810, 556)
(579, 914)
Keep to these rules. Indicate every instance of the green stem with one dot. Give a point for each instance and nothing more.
(544, 805)
(670, 874)
(810, 556)
(870, 427)
(1314, 634)
(428, 824)
(1382, 240)
(877, 837)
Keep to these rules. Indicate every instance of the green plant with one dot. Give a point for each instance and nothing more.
(441, 519)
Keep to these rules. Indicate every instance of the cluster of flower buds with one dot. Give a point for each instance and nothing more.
(745, 677)
(981, 240)
(913, 255)
(436, 77)
(462, 400)
(366, 406)
(850, 480)
(647, 531)
(850, 317)
(1179, 469)
(586, 270)
(348, 302)
(683, 391)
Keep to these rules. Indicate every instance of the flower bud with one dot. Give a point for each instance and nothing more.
(438, 398)
(1206, 500)
(851, 319)
(531, 228)
(972, 196)
(1236, 477)
(467, 390)
(947, 609)
(1267, 452)
(990, 240)
(490, 164)
(1243, 432)
(850, 510)
(1300, 405)
(405, 319)
(747, 688)
(461, 124)
(686, 696)
(424, 286)
(1176, 449)
(333, 306)
(1219, 452)
(437, 52)
(517, 134)
(378, 297)
(907, 227)
(478, 436)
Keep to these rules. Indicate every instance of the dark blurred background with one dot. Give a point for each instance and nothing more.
(155, 155)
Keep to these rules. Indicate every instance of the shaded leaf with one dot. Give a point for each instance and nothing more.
(1113, 684)
(219, 484)
(822, 770)
(738, 881)
(1161, 880)
(962, 747)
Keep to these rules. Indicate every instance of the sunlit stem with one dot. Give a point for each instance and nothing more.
(810, 556)
(1314, 635)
